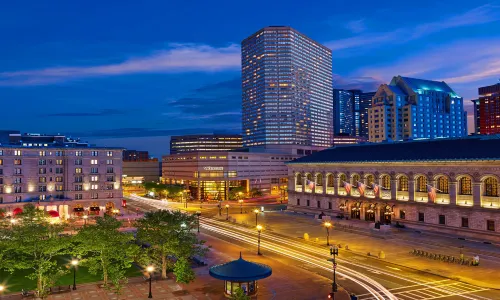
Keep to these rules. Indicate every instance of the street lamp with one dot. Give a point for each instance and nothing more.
(256, 211)
(12, 222)
(198, 213)
(259, 229)
(1, 290)
(334, 251)
(327, 227)
(241, 205)
(85, 219)
(150, 270)
(227, 211)
(74, 263)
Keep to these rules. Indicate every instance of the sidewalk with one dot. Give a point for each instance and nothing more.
(396, 245)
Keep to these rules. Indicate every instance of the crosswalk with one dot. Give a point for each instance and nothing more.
(441, 289)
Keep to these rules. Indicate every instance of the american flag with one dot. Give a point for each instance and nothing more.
(431, 191)
(310, 184)
(347, 187)
(376, 189)
(361, 188)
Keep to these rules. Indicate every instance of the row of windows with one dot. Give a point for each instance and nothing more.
(58, 153)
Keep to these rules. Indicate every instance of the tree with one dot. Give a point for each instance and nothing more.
(106, 250)
(239, 294)
(234, 193)
(34, 243)
(183, 271)
(255, 192)
(170, 238)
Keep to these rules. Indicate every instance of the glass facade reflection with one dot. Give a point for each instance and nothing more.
(287, 89)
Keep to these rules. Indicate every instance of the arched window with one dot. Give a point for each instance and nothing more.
(355, 179)
(299, 179)
(319, 179)
(442, 185)
(386, 182)
(421, 184)
(370, 179)
(465, 186)
(342, 178)
(309, 177)
(329, 179)
(491, 187)
(403, 183)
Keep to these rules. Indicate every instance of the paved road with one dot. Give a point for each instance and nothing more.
(368, 278)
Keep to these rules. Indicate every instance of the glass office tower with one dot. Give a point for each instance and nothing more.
(287, 89)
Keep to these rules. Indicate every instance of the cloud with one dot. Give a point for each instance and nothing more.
(480, 15)
(366, 84)
(356, 26)
(177, 58)
(101, 113)
(139, 132)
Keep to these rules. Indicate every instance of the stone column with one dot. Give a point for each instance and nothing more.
(304, 181)
(453, 192)
(377, 212)
(325, 182)
(411, 190)
(476, 194)
(394, 188)
(313, 190)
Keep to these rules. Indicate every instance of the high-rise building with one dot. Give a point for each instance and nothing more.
(410, 108)
(342, 112)
(287, 89)
(135, 155)
(488, 109)
(204, 142)
(477, 116)
(350, 112)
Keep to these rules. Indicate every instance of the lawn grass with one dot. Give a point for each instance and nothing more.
(17, 281)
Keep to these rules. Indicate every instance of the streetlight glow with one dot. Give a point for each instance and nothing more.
(259, 227)
(1, 288)
(150, 269)
(74, 262)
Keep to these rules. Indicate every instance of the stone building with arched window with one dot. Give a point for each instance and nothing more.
(446, 185)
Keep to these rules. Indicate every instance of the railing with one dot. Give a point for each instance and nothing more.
(369, 194)
(298, 188)
(385, 194)
(342, 191)
(330, 190)
(355, 192)
(490, 202)
(465, 200)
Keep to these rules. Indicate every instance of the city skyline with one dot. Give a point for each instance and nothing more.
(165, 74)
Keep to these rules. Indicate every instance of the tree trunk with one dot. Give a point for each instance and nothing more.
(163, 267)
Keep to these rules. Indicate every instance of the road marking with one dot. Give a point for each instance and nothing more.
(393, 268)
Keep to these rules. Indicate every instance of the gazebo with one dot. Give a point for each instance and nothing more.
(240, 273)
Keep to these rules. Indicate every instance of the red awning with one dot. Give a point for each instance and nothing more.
(53, 213)
(17, 210)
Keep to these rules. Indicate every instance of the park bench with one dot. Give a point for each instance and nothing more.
(60, 289)
(27, 294)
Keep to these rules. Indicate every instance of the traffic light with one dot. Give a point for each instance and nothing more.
(331, 296)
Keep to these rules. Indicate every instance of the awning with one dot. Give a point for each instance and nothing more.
(17, 210)
(53, 213)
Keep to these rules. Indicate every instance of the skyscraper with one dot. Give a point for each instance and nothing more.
(342, 112)
(410, 108)
(287, 89)
(487, 110)
(365, 102)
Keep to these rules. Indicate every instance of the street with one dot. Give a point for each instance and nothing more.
(366, 277)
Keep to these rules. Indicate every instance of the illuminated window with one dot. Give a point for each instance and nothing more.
(386, 182)
(403, 183)
(370, 179)
(421, 184)
(442, 185)
(465, 186)
(355, 179)
(93, 162)
(59, 162)
(94, 186)
(78, 170)
(78, 153)
(18, 152)
(491, 187)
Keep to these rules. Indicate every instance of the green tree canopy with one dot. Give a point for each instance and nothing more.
(106, 250)
(34, 242)
(172, 241)
(239, 294)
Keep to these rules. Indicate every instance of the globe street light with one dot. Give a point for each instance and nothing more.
(74, 263)
(241, 205)
(227, 211)
(198, 213)
(12, 222)
(334, 251)
(259, 229)
(256, 211)
(327, 227)
(150, 270)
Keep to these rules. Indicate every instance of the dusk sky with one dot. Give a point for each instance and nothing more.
(131, 73)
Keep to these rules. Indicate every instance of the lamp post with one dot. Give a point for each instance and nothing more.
(220, 208)
(227, 211)
(198, 213)
(186, 203)
(150, 270)
(259, 230)
(327, 227)
(74, 263)
(256, 211)
(12, 222)
(85, 220)
(334, 251)
(241, 205)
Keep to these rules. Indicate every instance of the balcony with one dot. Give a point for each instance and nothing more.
(465, 200)
(355, 192)
(402, 195)
(421, 197)
(385, 194)
(318, 190)
(369, 194)
(442, 198)
(330, 190)
(490, 202)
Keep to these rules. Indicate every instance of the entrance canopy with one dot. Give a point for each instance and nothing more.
(240, 270)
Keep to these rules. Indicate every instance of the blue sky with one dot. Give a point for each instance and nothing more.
(121, 73)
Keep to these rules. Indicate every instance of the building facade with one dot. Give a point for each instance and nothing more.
(343, 112)
(365, 103)
(211, 175)
(410, 108)
(287, 89)
(70, 179)
(135, 155)
(487, 110)
(147, 170)
(339, 140)
(447, 185)
(204, 142)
